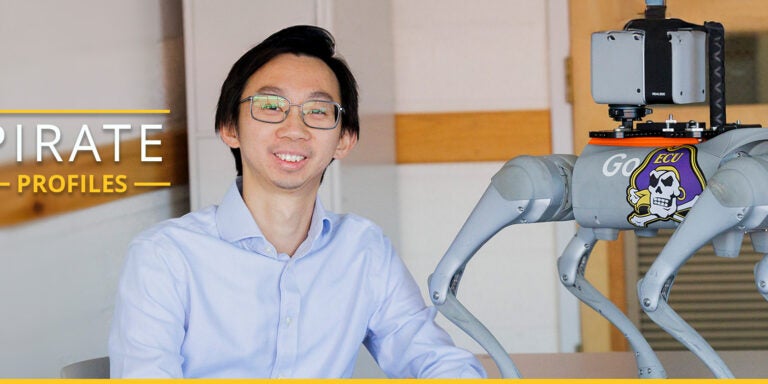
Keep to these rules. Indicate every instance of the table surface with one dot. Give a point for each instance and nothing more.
(678, 364)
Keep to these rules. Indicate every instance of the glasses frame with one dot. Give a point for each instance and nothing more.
(339, 110)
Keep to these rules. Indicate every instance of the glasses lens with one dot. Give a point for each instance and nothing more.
(269, 108)
(320, 114)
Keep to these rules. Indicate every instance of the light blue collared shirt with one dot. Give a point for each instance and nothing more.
(206, 295)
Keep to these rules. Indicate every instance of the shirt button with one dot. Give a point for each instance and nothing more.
(288, 320)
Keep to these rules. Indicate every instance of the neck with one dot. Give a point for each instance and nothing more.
(284, 219)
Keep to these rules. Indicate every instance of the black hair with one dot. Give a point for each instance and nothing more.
(303, 40)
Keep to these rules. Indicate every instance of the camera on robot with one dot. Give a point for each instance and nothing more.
(660, 61)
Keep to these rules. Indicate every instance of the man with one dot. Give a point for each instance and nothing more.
(269, 284)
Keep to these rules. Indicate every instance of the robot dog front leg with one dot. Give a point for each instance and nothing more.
(526, 190)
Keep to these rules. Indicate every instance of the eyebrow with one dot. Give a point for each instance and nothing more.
(322, 95)
(270, 89)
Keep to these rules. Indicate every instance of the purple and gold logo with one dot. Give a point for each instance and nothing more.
(665, 186)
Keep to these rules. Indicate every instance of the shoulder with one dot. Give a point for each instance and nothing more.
(363, 241)
(202, 222)
(168, 242)
(350, 226)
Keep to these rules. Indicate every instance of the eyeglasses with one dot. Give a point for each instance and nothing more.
(273, 109)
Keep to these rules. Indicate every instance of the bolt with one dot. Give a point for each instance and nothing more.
(586, 246)
(739, 216)
(565, 277)
(762, 283)
(520, 209)
(435, 296)
(647, 302)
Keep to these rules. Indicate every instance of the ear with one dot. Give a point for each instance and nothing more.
(228, 134)
(347, 141)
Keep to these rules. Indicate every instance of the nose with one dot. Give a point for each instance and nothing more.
(293, 127)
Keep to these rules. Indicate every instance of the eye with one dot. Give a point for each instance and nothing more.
(269, 106)
(317, 111)
(654, 181)
(667, 181)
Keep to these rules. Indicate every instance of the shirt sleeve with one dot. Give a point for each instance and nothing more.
(148, 324)
(404, 338)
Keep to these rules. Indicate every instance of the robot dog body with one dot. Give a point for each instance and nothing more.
(710, 191)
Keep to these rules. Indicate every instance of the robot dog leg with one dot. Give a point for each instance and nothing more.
(760, 244)
(733, 203)
(761, 268)
(571, 266)
(526, 190)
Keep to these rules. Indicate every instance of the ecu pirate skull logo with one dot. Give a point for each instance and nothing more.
(665, 186)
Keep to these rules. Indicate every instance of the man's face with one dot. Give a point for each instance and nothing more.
(288, 156)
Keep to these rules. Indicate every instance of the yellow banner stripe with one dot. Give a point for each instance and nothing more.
(84, 111)
(389, 381)
(152, 184)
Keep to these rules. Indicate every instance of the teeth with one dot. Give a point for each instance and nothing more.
(289, 158)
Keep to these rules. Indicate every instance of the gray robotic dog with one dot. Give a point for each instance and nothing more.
(706, 183)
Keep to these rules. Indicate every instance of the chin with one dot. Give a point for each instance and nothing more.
(294, 185)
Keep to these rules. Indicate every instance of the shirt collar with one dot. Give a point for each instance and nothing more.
(233, 218)
(235, 222)
(319, 226)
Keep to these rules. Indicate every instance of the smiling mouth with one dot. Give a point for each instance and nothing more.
(290, 157)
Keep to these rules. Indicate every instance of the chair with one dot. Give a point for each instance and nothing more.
(87, 369)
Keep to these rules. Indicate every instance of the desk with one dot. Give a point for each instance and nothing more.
(678, 364)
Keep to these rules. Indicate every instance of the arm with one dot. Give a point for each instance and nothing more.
(404, 338)
(149, 318)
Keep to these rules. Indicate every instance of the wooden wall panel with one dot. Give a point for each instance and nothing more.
(471, 136)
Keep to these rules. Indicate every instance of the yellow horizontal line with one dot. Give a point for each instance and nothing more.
(84, 111)
(152, 184)
(5, 184)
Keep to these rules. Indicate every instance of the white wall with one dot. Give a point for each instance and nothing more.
(368, 176)
(462, 55)
(457, 55)
(59, 274)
